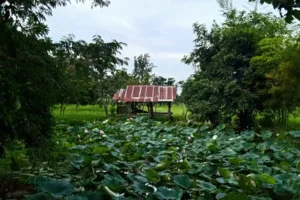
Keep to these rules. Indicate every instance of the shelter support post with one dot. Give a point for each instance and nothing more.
(169, 111)
(129, 109)
(132, 108)
(150, 110)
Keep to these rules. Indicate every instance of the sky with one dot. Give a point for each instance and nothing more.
(162, 28)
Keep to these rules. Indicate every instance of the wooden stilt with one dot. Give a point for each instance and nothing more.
(148, 107)
(132, 108)
(151, 110)
(169, 111)
(129, 109)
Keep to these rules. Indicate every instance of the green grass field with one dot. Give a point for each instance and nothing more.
(83, 113)
(94, 113)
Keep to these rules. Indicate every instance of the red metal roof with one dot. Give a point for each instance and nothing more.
(146, 93)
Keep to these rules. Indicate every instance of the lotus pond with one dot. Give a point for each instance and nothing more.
(139, 159)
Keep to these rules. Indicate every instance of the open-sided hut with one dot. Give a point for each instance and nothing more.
(144, 94)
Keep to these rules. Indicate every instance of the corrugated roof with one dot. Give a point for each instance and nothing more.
(146, 93)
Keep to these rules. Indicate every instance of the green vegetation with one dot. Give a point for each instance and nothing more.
(60, 137)
(246, 66)
(290, 6)
(92, 113)
(141, 159)
(87, 113)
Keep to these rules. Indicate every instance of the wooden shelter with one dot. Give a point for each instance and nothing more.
(144, 94)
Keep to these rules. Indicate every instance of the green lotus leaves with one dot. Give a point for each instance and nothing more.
(150, 160)
(38, 196)
(295, 134)
(162, 166)
(183, 181)
(114, 184)
(298, 165)
(168, 193)
(87, 196)
(225, 173)
(152, 175)
(267, 179)
(248, 135)
(207, 187)
(77, 160)
(77, 198)
(141, 188)
(101, 150)
(55, 188)
(266, 134)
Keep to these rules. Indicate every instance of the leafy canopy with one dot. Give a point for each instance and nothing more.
(225, 84)
(142, 68)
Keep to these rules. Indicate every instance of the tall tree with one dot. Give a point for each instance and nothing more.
(90, 65)
(226, 84)
(159, 80)
(29, 74)
(142, 68)
(103, 59)
(170, 81)
(278, 59)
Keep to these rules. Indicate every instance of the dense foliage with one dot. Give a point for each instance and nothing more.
(36, 74)
(159, 80)
(278, 59)
(247, 65)
(233, 71)
(90, 70)
(142, 68)
(150, 160)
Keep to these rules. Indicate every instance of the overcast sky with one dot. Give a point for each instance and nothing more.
(162, 28)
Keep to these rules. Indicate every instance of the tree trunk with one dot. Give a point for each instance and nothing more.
(133, 111)
(106, 110)
(184, 111)
(246, 119)
(185, 114)
(169, 111)
(150, 110)
(61, 109)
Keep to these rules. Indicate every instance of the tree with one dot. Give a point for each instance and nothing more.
(278, 60)
(30, 76)
(181, 100)
(121, 78)
(159, 80)
(28, 73)
(290, 6)
(170, 81)
(91, 70)
(226, 84)
(103, 59)
(142, 68)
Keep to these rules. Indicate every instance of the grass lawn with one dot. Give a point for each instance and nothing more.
(294, 123)
(94, 112)
(83, 113)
